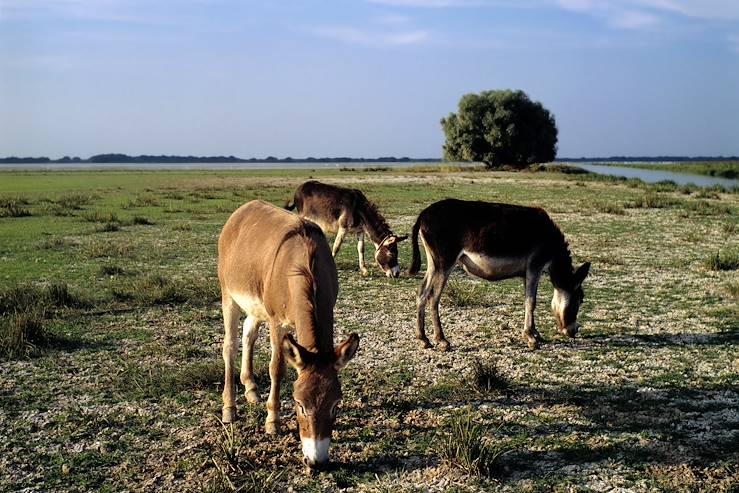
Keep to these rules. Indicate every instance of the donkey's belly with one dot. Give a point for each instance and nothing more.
(492, 268)
(251, 305)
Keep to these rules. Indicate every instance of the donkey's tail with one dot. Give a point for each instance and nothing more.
(290, 206)
(416, 261)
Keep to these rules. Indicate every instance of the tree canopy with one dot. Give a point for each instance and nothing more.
(500, 128)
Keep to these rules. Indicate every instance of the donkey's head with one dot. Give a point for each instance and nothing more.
(317, 393)
(387, 255)
(567, 300)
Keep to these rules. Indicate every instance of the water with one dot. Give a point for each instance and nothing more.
(647, 175)
(654, 176)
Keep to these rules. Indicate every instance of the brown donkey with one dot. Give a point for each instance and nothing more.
(277, 268)
(340, 210)
(494, 242)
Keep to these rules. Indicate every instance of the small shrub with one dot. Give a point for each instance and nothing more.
(111, 270)
(100, 217)
(609, 208)
(22, 332)
(74, 201)
(467, 448)
(54, 244)
(141, 221)
(23, 310)
(733, 289)
(487, 378)
(653, 201)
(13, 208)
(727, 260)
(108, 227)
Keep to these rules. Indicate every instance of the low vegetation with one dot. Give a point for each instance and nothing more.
(110, 343)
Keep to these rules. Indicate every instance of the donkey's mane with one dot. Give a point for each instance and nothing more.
(560, 270)
(377, 226)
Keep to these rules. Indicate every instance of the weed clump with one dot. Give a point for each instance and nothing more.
(13, 208)
(726, 260)
(24, 309)
(467, 448)
(486, 377)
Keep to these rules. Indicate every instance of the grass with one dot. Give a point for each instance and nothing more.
(116, 373)
(466, 447)
(24, 309)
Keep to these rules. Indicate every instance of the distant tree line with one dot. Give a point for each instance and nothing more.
(124, 158)
(648, 159)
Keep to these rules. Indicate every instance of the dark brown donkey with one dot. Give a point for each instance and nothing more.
(340, 210)
(495, 241)
(277, 268)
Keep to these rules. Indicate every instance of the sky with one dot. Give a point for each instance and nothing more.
(361, 78)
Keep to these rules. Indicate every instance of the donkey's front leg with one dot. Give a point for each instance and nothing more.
(251, 331)
(338, 241)
(231, 313)
(276, 371)
(533, 338)
(360, 251)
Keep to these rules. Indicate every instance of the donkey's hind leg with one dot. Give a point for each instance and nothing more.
(437, 286)
(421, 300)
(251, 331)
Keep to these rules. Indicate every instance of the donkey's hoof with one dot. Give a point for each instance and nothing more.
(425, 343)
(272, 427)
(229, 414)
(252, 396)
(443, 345)
(534, 344)
(364, 271)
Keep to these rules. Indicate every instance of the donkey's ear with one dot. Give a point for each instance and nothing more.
(581, 273)
(401, 238)
(346, 350)
(293, 352)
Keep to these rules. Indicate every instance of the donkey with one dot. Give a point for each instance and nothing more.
(340, 210)
(277, 268)
(494, 242)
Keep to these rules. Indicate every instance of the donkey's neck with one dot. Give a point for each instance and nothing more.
(372, 222)
(560, 269)
(313, 323)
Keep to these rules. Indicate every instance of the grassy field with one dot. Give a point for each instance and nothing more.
(111, 332)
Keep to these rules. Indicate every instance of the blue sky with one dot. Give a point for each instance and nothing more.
(361, 77)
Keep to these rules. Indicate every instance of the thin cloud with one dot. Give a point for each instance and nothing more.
(734, 42)
(369, 38)
(427, 3)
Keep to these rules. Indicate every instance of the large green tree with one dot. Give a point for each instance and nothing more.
(500, 128)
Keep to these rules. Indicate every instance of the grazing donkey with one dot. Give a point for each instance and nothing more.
(340, 210)
(277, 268)
(495, 241)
